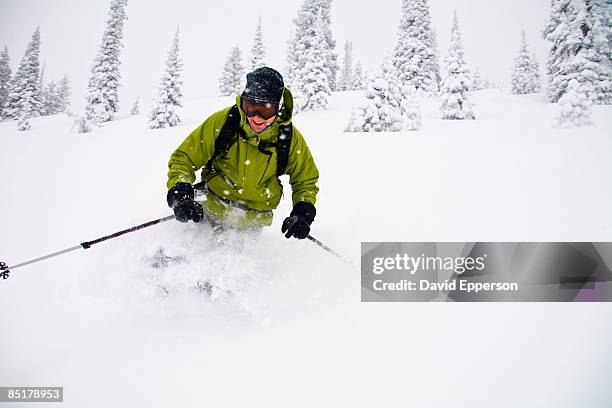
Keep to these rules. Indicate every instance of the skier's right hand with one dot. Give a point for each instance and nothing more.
(180, 199)
(188, 210)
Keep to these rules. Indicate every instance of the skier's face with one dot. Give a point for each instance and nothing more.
(259, 116)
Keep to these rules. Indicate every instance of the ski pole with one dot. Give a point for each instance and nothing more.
(5, 270)
(328, 249)
(290, 222)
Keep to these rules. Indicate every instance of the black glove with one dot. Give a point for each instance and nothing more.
(298, 223)
(180, 199)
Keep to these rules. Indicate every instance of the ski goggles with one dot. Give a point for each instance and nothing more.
(264, 111)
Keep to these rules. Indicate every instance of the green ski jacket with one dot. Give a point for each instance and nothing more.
(244, 175)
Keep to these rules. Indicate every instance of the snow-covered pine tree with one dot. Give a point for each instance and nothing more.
(53, 99)
(5, 82)
(43, 93)
(329, 49)
(575, 107)
(135, 107)
(608, 23)
(358, 79)
(309, 12)
(455, 85)
(230, 82)
(24, 97)
(258, 51)
(64, 94)
(414, 57)
(346, 75)
(477, 81)
(27, 110)
(382, 110)
(598, 23)
(169, 94)
(579, 31)
(82, 124)
(313, 89)
(290, 62)
(103, 87)
(525, 72)
(436, 53)
(557, 30)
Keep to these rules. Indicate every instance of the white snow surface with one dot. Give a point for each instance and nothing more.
(293, 332)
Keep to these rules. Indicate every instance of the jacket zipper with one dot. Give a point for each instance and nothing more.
(265, 170)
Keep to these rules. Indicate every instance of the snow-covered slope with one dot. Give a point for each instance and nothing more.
(285, 326)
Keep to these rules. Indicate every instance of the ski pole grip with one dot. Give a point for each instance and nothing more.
(4, 271)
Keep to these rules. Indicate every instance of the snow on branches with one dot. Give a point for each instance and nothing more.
(164, 112)
(456, 83)
(231, 80)
(526, 71)
(388, 107)
(103, 87)
(415, 56)
(575, 107)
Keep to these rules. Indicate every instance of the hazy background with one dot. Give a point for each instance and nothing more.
(71, 31)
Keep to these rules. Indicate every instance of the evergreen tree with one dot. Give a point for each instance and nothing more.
(304, 23)
(63, 95)
(330, 44)
(169, 95)
(436, 53)
(414, 56)
(346, 75)
(24, 99)
(575, 107)
(308, 14)
(43, 92)
(477, 82)
(579, 31)
(5, 82)
(103, 87)
(598, 27)
(455, 85)
(291, 62)
(525, 73)
(82, 124)
(313, 88)
(27, 110)
(258, 51)
(135, 107)
(607, 19)
(382, 110)
(230, 82)
(358, 80)
(557, 31)
(53, 99)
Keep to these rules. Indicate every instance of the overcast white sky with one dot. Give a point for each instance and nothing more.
(71, 31)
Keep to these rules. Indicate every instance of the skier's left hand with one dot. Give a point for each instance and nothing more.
(298, 223)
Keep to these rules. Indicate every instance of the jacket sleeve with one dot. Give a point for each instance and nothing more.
(195, 151)
(302, 171)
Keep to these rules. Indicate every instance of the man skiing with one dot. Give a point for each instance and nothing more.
(242, 150)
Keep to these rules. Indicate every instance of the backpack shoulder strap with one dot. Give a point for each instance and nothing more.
(282, 148)
(227, 135)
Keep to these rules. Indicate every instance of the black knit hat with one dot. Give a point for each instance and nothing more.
(264, 85)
